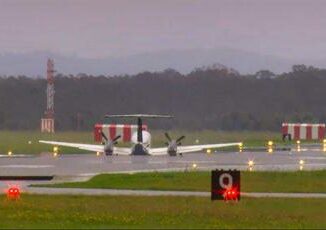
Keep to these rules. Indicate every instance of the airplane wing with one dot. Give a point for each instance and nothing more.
(158, 151)
(195, 148)
(190, 148)
(89, 147)
(121, 151)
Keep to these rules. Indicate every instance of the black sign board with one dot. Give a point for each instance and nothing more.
(225, 185)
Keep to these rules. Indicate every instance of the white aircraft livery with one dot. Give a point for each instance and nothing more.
(141, 142)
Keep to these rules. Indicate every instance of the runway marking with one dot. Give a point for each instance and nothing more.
(16, 156)
(194, 161)
(314, 158)
(87, 174)
(148, 162)
(26, 166)
(164, 162)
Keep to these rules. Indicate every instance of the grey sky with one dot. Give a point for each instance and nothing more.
(95, 28)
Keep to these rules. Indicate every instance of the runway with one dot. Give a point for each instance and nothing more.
(90, 164)
(79, 167)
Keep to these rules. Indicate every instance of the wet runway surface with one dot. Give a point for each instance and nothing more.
(79, 167)
(90, 164)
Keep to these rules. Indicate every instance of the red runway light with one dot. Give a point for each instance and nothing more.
(231, 194)
(13, 193)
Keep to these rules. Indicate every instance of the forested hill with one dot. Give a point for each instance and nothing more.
(203, 99)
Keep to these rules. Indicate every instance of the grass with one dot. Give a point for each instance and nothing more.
(250, 138)
(300, 181)
(18, 141)
(34, 211)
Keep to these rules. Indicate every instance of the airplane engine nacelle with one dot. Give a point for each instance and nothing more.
(146, 138)
(172, 153)
(108, 152)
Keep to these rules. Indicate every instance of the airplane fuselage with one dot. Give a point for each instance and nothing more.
(141, 148)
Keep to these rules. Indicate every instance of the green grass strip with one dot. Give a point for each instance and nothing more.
(33, 211)
(298, 181)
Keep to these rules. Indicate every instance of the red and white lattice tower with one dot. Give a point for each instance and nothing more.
(47, 123)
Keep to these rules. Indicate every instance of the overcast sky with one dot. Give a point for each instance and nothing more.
(94, 28)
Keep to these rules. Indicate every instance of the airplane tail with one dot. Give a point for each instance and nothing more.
(139, 121)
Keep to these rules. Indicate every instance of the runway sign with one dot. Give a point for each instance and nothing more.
(225, 185)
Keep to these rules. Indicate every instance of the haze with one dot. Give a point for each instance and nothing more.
(106, 28)
(115, 28)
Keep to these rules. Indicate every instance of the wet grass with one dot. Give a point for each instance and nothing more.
(26, 142)
(299, 181)
(84, 212)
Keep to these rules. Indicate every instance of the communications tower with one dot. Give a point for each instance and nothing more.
(47, 123)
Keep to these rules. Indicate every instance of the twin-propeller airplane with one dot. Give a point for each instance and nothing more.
(141, 142)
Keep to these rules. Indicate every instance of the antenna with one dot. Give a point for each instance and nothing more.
(47, 123)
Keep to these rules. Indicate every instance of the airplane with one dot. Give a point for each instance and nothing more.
(141, 142)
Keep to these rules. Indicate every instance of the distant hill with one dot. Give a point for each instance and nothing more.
(184, 61)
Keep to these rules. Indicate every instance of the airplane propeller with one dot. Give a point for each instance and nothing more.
(180, 139)
(109, 144)
(173, 144)
(170, 141)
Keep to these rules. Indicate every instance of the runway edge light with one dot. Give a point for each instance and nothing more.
(251, 163)
(240, 147)
(270, 146)
(55, 149)
(301, 164)
(13, 193)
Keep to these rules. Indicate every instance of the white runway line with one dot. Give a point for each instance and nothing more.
(314, 158)
(17, 156)
(26, 166)
(192, 161)
(87, 174)
(283, 195)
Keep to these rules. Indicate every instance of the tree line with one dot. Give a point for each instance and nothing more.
(214, 99)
